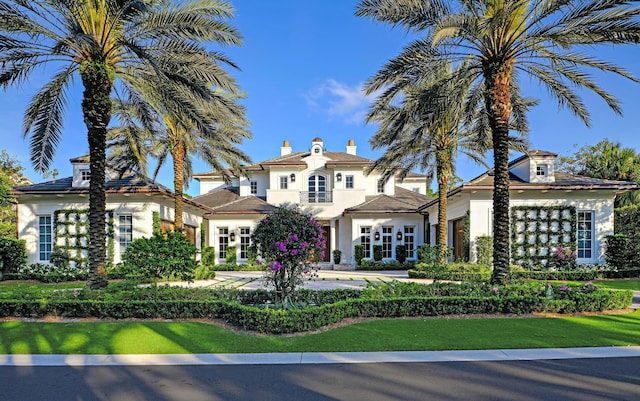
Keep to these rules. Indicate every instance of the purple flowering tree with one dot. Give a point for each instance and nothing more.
(288, 243)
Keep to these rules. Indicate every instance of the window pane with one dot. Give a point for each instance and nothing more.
(365, 240)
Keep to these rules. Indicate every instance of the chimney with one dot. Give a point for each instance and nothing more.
(285, 149)
(351, 147)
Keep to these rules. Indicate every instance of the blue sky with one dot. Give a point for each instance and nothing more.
(302, 66)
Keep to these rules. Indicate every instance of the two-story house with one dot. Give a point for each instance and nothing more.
(353, 207)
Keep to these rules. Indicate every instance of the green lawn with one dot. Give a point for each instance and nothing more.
(149, 337)
(618, 284)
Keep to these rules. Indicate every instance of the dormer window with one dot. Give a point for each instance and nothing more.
(541, 170)
(380, 186)
(85, 175)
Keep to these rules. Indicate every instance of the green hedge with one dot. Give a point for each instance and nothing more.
(368, 264)
(268, 320)
(566, 275)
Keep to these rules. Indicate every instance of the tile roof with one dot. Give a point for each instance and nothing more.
(128, 184)
(228, 201)
(404, 201)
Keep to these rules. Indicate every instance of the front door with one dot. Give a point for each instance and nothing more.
(458, 240)
(327, 245)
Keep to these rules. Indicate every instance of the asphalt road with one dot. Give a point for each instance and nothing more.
(564, 379)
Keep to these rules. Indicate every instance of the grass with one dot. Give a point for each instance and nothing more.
(151, 337)
(618, 284)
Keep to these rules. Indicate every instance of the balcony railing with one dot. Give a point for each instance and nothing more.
(316, 197)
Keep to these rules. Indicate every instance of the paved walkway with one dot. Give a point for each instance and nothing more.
(327, 279)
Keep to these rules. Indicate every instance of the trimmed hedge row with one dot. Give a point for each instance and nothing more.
(567, 275)
(266, 320)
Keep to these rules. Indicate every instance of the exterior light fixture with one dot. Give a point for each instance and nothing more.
(292, 177)
(399, 235)
(232, 236)
(339, 177)
(376, 236)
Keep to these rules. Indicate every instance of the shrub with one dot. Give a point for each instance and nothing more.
(288, 241)
(563, 258)
(231, 256)
(337, 255)
(386, 265)
(209, 255)
(13, 255)
(401, 253)
(484, 250)
(377, 253)
(358, 253)
(627, 222)
(163, 255)
(60, 258)
(616, 247)
(204, 272)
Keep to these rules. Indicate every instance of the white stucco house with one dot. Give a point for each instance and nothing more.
(548, 208)
(55, 213)
(354, 208)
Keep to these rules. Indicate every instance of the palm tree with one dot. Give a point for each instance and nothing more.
(493, 40)
(108, 43)
(154, 126)
(428, 129)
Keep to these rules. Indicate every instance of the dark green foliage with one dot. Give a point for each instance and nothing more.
(627, 222)
(566, 275)
(249, 309)
(157, 223)
(377, 253)
(386, 265)
(209, 255)
(358, 252)
(163, 255)
(484, 250)
(616, 247)
(13, 253)
(401, 253)
(428, 254)
(337, 255)
(60, 258)
(231, 256)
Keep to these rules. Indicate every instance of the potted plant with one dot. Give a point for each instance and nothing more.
(337, 254)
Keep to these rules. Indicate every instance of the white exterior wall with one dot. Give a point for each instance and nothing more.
(480, 206)
(232, 224)
(397, 221)
(141, 211)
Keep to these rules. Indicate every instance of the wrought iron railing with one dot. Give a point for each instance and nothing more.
(316, 197)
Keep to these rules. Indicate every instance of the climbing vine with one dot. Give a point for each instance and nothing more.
(71, 230)
(537, 231)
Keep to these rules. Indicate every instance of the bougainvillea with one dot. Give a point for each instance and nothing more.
(288, 243)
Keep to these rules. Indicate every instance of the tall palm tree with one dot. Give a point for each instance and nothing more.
(108, 43)
(494, 39)
(428, 129)
(154, 126)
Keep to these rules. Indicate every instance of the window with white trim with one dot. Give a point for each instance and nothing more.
(387, 241)
(348, 183)
(409, 241)
(85, 175)
(223, 243)
(380, 186)
(45, 238)
(245, 242)
(585, 234)
(254, 187)
(541, 170)
(125, 231)
(284, 182)
(365, 241)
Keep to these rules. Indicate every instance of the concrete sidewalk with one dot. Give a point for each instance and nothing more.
(295, 358)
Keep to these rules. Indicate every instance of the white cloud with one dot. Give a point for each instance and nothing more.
(339, 100)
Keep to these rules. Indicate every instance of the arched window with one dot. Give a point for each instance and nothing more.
(317, 189)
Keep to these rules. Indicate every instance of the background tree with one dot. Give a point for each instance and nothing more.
(10, 176)
(155, 126)
(489, 42)
(107, 43)
(608, 161)
(427, 130)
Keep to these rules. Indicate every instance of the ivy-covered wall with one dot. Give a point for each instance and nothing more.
(71, 230)
(536, 231)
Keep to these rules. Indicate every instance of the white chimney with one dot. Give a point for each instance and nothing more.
(351, 147)
(285, 149)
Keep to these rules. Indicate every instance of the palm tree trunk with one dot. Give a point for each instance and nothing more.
(444, 158)
(97, 79)
(178, 153)
(498, 104)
